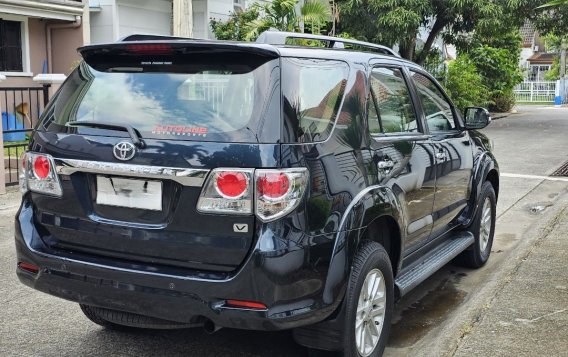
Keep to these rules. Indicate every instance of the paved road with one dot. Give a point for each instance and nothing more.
(431, 321)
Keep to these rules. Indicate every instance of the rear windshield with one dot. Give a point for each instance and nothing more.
(204, 101)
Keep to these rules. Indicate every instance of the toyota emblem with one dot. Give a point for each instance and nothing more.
(124, 150)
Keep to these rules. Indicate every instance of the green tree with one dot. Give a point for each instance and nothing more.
(281, 15)
(234, 28)
(278, 14)
(399, 21)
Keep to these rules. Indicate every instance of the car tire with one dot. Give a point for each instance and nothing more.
(120, 320)
(369, 307)
(483, 229)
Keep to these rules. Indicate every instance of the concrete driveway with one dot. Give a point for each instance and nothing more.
(431, 321)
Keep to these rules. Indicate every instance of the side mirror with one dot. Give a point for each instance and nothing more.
(476, 118)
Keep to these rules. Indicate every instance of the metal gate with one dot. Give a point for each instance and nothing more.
(21, 108)
(535, 92)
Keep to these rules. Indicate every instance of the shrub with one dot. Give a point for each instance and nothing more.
(502, 102)
(464, 84)
(499, 68)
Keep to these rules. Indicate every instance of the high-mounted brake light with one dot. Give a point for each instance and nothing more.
(38, 174)
(150, 48)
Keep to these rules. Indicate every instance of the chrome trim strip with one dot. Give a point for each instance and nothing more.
(186, 177)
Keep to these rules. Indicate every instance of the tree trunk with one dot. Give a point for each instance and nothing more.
(436, 29)
(407, 48)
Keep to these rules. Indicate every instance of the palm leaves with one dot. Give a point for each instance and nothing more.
(281, 15)
(554, 3)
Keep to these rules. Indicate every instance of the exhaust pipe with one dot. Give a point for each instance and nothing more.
(210, 327)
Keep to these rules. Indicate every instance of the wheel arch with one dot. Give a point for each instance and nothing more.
(386, 231)
(485, 169)
(377, 207)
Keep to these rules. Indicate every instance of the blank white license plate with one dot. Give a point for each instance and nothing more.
(121, 192)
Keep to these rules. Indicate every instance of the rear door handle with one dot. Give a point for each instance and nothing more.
(385, 165)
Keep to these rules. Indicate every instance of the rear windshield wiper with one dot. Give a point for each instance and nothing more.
(134, 134)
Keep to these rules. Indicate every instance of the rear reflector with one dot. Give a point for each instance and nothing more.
(28, 267)
(245, 304)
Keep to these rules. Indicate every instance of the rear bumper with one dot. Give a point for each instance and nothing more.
(288, 280)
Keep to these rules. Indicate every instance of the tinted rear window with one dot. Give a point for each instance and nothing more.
(210, 102)
(312, 91)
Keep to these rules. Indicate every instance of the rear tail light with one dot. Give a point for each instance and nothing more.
(279, 192)
(231, 185)
(227, 191)
(275, 192)
(38, 174)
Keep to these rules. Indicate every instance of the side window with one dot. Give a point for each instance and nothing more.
(391, 102)
(312, 91)
(437, 109)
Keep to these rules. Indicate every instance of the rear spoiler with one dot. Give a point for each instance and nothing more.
(172, 45)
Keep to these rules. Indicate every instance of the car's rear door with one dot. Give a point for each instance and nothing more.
(453, 152)
(401, 149)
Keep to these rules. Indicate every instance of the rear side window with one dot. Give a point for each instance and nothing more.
(207, 102)
(312, 91)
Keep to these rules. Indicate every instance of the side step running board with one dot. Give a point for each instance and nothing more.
(434, 260)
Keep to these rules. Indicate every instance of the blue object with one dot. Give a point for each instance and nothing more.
(10, 122)
(558, 100)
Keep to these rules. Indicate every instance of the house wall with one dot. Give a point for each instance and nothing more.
(120, 18)
(102, 24)
(200, 19)
(144, 16)
(526, 53)
(64, 44)
(38, 48)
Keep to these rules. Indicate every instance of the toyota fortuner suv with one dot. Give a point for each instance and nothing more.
(178, 183)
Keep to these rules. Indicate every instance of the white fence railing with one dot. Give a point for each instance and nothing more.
(536, 92)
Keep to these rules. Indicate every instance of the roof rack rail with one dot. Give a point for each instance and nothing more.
(143, 37)
(280, 37)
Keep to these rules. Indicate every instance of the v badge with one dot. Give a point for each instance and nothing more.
(240, 228)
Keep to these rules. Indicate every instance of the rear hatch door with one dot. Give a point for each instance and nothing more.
(195, 107)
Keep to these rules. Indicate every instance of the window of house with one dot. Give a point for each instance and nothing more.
(11, 59)
(390, 109)
(536, 72)
(437, 109)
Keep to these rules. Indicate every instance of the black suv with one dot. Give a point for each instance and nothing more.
(177, 183)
